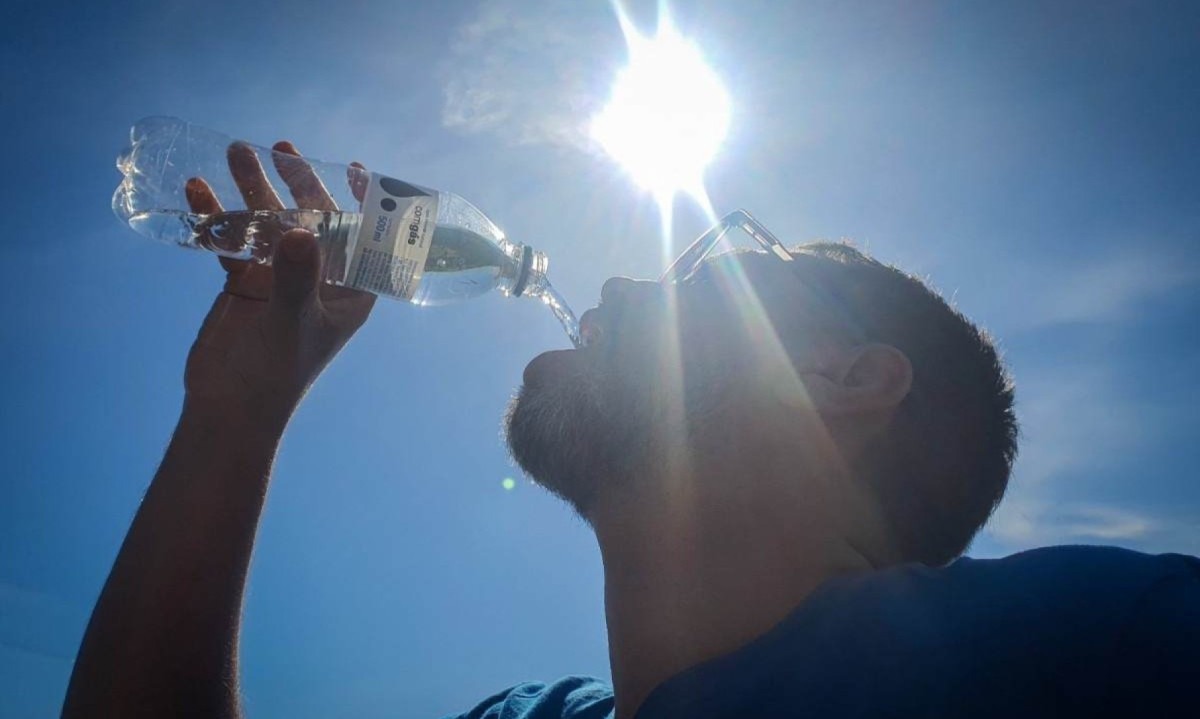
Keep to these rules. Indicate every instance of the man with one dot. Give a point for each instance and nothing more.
(781, 454)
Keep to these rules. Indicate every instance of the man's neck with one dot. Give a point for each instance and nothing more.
(690, 577)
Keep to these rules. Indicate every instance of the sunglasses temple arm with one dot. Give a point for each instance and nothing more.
(686, 263)
(761, 235)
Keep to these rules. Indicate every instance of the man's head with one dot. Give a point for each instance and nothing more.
(832, 365)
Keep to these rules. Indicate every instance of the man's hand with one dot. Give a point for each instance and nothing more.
(163, 638)
(273, 328)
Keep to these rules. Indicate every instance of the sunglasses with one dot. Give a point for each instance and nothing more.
(692, 259)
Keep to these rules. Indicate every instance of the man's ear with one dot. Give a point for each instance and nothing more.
(867, 379)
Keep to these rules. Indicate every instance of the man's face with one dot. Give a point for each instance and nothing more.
(660, 367)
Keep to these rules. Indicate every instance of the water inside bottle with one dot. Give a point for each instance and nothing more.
(461, 263)
(241, 234)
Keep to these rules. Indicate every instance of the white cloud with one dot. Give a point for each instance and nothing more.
(531, 72)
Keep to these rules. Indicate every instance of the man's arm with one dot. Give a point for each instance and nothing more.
(162, 640)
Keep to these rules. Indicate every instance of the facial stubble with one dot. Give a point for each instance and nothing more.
(577, 435)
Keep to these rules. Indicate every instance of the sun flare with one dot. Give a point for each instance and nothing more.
(668, 112)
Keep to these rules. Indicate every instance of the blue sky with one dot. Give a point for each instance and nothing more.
(1039, 164)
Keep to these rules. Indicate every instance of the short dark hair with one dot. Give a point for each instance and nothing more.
(944, 465)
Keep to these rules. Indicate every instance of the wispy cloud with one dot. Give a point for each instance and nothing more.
(530, 72)
(1028, 522)
(1075, 417)
(1080, 416)
(1023, 523)
(1077, 423)
(1110, 288)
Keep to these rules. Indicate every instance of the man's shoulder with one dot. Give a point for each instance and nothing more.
(1062, 580)
(1055, 600)
(1089, 556)
(1010, 636)
(1073, 569)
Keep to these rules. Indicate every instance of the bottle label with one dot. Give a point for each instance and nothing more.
(393, 242)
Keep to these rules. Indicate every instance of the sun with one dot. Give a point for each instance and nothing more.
(668, 112)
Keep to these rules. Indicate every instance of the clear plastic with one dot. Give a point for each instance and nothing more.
(468, 255)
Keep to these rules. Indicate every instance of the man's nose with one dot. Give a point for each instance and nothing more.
(624, 290)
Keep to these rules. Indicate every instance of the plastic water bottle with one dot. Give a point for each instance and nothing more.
(388, 237)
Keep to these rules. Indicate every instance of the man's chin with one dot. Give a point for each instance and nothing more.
(555, 426)
(551, 366)
(577, 426)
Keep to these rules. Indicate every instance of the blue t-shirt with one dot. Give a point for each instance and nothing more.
(1061, 631)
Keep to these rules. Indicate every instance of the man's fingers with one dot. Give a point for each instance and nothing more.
(200, 197)
(307, 189)
(203, 201)
(358, 177)
(251, 180)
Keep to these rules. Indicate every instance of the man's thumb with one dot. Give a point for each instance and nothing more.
(297, 267)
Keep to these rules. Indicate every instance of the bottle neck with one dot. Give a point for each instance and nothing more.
(526, 275)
